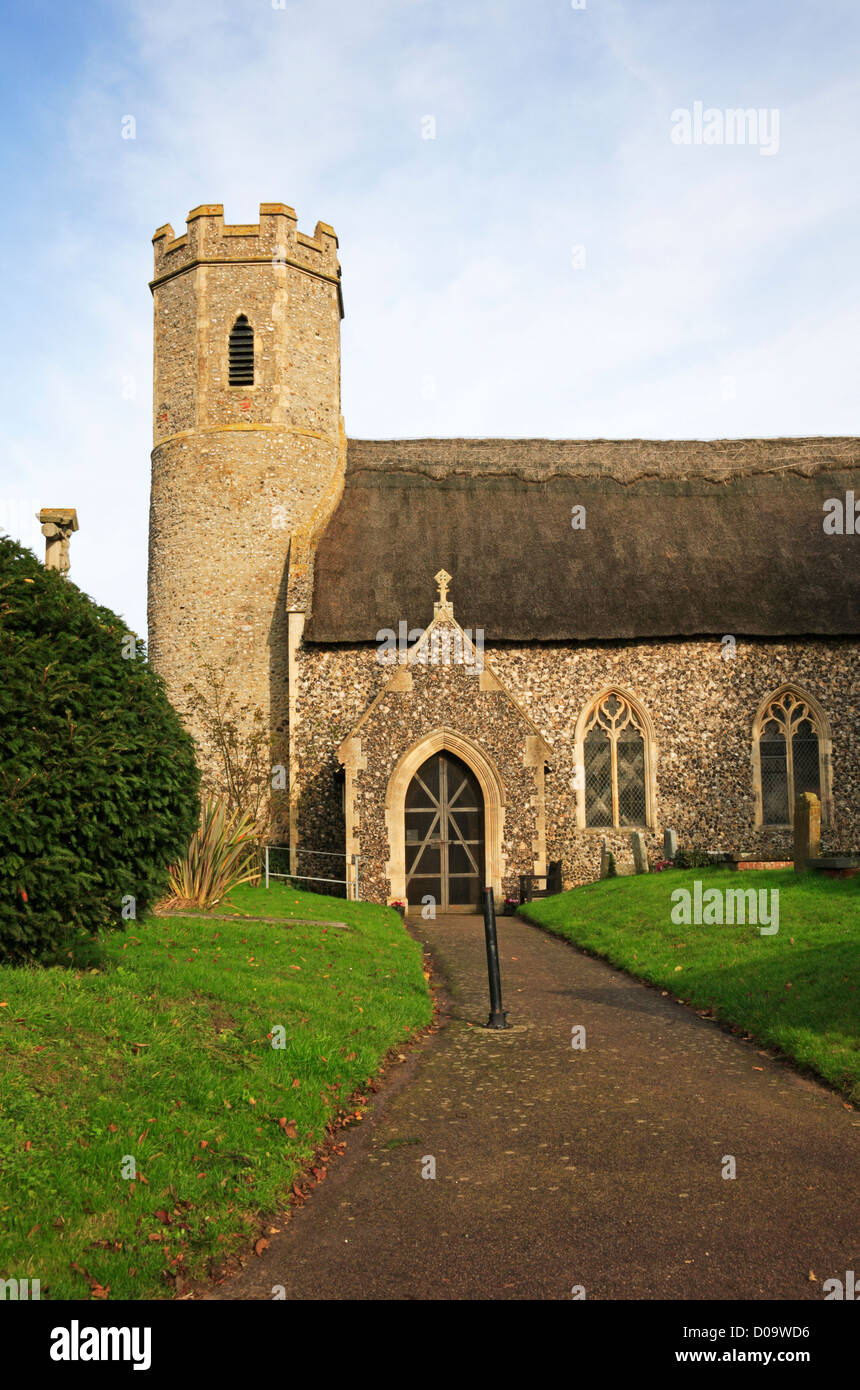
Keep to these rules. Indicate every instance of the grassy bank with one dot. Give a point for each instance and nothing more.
(798, 989)
(161, 1051)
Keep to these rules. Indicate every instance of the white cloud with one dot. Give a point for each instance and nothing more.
(552, 130)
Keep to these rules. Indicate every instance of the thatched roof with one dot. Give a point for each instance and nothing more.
(681, 538)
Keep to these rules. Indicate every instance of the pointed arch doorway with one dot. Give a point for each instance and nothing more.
(444, 834)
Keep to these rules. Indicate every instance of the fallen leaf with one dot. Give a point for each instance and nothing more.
(96, 1289)
(261, 1245)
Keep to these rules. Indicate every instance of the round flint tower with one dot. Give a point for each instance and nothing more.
(247, 442)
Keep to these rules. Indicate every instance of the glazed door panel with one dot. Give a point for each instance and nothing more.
(445, 835)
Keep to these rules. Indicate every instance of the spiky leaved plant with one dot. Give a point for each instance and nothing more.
(222, 854)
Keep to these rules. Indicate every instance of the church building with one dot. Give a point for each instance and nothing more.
(477, 657)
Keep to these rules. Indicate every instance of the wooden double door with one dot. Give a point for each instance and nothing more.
(445, 835)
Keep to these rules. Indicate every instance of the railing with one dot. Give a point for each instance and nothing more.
(352, 867)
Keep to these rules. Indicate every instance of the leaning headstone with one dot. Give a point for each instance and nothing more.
(670, 844)
(807, 829)
(640, 854)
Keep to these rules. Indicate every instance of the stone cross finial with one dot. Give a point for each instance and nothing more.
(443, 607)
(58, 524)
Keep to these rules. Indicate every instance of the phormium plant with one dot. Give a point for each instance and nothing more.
(222, 853)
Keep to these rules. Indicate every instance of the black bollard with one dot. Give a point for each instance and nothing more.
(498, 1017)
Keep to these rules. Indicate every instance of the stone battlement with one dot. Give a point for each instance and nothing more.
(275, 239)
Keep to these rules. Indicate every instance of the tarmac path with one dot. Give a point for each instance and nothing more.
(558, 1168)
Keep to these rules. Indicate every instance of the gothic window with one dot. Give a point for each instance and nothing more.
(790, 740)
(614, 762)
(242, 353)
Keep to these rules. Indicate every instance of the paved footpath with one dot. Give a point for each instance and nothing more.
(558, 1167)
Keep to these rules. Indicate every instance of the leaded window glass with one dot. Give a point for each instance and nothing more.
(614, 765)
(789, 756)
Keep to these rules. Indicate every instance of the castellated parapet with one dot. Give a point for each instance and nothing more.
(238, 470)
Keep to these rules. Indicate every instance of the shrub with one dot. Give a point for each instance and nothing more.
(98, 784)
(693, 859)
(222, 853)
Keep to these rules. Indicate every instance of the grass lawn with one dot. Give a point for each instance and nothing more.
(158, 1047)
(798, 990)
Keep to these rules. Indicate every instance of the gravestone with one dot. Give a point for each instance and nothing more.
(640, 854)
(807, 829)
(670, 844)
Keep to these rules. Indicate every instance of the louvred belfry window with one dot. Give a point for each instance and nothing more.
(789, 753)
(614, 758)
(242, 353)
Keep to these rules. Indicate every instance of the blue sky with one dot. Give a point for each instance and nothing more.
(550, 264)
